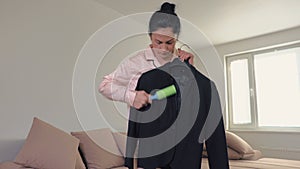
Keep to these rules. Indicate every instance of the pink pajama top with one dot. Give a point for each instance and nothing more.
(120, 85)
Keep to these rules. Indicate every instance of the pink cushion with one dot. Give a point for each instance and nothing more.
(48, 147)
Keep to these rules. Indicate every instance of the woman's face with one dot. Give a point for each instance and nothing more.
(163, 42)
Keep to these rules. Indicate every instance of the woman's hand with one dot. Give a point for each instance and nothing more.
(141, 99)
(183, 55)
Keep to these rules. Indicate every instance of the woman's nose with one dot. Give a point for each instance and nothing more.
(164, 47)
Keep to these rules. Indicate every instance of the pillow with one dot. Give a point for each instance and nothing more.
(238, 144)
(242, 147)
(79, 163)
(232, 155)
(120, 139)
(252, 156)
(237, 148)
(99, 149)
(48, 147)
(11, 165)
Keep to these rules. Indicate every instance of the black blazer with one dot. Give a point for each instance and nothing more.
(171, 132)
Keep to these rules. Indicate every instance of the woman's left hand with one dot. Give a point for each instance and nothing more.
(183, 55)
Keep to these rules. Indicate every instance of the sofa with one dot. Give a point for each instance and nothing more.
(47, 147)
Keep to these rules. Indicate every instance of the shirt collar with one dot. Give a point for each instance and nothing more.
(149, 55)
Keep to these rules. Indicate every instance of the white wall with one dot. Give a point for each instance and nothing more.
(272, 144)
(39, 43)
(116, 113)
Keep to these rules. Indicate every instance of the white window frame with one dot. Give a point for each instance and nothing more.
(249, 55)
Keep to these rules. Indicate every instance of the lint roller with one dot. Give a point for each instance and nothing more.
(164, 93)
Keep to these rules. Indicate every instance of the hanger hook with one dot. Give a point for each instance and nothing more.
(184, 45)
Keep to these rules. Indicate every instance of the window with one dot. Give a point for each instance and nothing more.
(264, 89)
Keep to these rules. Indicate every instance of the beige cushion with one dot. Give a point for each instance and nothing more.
(48, 147)
(79, 163)
(99, 149)
(238, 144)
(120, 139)
(11, 165)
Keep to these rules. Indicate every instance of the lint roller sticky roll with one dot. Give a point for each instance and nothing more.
(164, 93)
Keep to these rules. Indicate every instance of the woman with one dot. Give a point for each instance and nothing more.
(164, 29)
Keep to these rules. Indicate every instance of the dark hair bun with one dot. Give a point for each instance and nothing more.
(168, 8)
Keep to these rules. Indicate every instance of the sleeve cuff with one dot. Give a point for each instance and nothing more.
(129, 97)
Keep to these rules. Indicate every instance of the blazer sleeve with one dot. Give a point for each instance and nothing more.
(215, 139)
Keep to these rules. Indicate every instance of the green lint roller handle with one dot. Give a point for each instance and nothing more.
(164, 93)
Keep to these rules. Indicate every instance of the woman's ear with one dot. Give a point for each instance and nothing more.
(150, 36)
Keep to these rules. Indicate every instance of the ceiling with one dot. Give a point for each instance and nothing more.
(223, 21)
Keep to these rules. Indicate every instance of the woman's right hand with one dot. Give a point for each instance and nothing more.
(141, 99)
